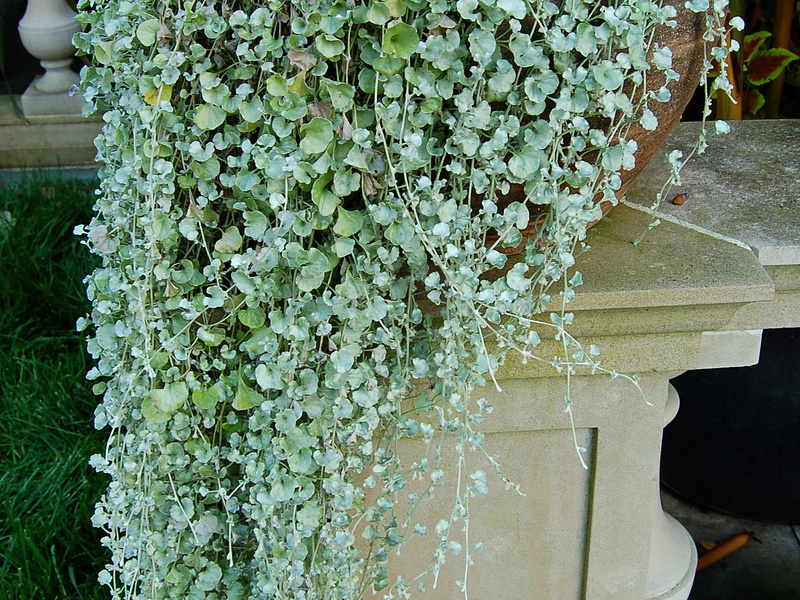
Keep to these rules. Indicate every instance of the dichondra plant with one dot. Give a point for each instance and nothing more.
(300, 203)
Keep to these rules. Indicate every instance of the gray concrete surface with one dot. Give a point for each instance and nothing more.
(745, 186)
(766, 568)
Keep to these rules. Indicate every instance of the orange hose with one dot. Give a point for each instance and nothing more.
(724, 549)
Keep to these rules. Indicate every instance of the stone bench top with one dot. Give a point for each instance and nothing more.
(726, 260)
(673, 265)
(746, 186)
(736, 239)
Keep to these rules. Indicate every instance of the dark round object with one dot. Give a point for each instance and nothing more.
(735, 442)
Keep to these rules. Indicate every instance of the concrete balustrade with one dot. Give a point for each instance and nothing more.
(46, 31)
(50, 131)
(695, 293)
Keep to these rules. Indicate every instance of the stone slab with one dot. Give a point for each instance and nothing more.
(746, 186)
(45, 140)
(672, 266)
(36, 103)
(658, 352)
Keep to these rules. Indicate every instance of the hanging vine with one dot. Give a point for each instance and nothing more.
(300, 206)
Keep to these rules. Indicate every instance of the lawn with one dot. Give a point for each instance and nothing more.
(48, 548)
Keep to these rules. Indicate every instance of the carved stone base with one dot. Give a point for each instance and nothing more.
(684, 556)
(39, 104)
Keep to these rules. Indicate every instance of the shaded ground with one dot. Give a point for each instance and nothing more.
(769, 570)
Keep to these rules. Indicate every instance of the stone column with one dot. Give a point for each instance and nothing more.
(673, 556)
(46, 31)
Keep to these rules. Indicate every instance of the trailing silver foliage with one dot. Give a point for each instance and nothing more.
(300, 205)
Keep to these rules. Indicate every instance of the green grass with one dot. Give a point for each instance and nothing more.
(48, 547)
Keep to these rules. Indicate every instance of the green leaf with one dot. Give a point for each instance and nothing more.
(207, 170)
(388, 65)
(252, 111)
(159, 360)
(525, 163)
(355, 158)
(399, 232)
(302, 462)
(344, 358)
(348, 223)
(209, 117)
(345, 181)
(268, 377)
(482, 45)
(662, 58)
(209, 578)
(648, 120)
(316, 135)
(526, 54)
(285, 420)
(341, 94)
(378, 13)
(246, 397)
(607, 75)
(699, 6)
(323, 197)
(171, 397)
(329, 46)
(343, 247)
(400, 40)
(230, 241)
(586, 43)
(466, 9)
(516, 278)
(153, 414)
(147, 31)
(515, 8)
(252, 317)
(540, 135)
(312, 274)
(256, 224)
(283, 489)
(309, 516)
(612, 158)
(206, 398)
(277, 86)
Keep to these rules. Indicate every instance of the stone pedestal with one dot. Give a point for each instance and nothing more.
(46, 31)
(743, 188)
(673, 556)
(674, 302)
(39, 104)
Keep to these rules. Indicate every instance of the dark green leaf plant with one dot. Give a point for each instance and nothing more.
(302, 223)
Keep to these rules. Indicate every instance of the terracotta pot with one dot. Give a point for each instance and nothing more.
(686, 42)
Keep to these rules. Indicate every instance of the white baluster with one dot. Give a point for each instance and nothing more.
(46, 31)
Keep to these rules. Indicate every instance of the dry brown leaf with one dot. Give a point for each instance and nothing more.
(707, 545)
(345, 129)
(320, 109)
(370, 184)
(304, 60)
